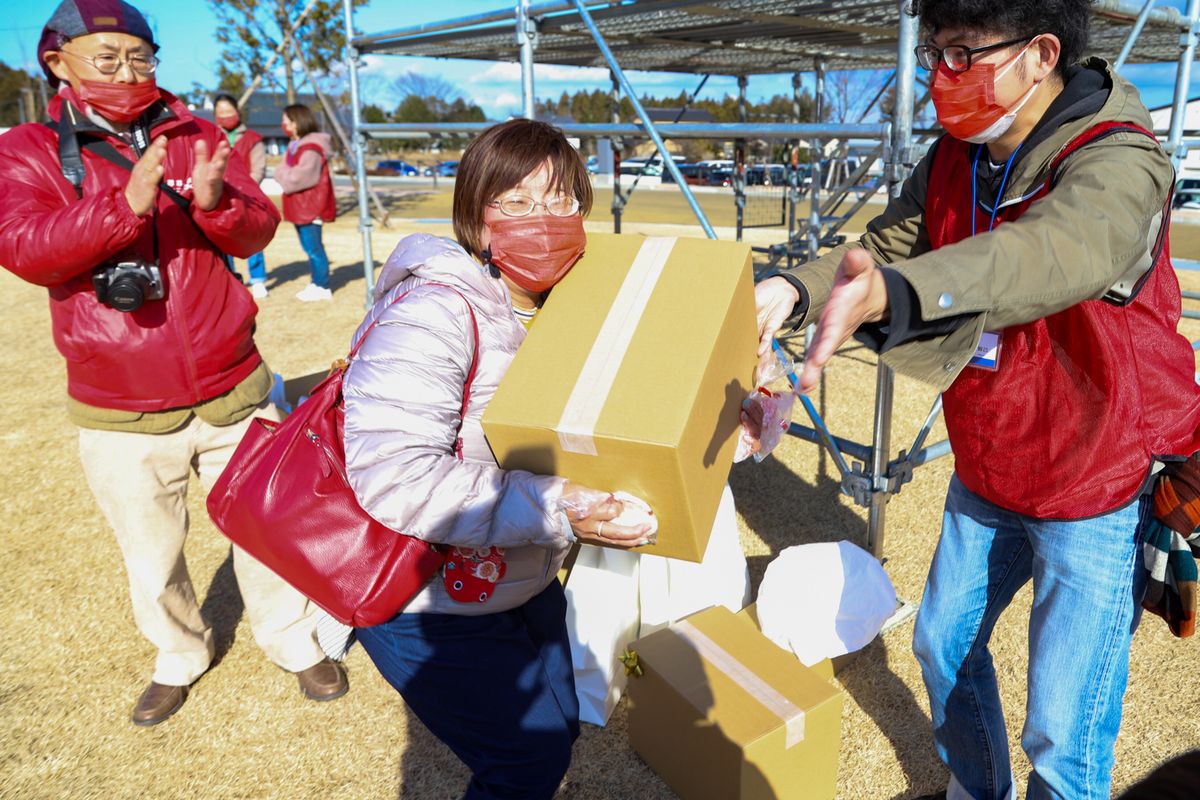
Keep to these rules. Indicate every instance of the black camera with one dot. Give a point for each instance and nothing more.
(126, 285)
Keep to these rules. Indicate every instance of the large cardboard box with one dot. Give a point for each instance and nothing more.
(721, 711)
(633, 376)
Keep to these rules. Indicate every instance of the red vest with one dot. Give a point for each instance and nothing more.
(1082, 400)
(316, 202)
(244, 144)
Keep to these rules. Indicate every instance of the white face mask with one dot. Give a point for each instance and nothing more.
(1000, 127)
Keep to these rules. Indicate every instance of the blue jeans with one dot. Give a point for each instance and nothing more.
(258, 268)
(498, 689)
(257, 265)
(1088, 581)
(310, 240)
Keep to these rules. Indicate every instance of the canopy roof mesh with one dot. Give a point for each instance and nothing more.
(726, 37)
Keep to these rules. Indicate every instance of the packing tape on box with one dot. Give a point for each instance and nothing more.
(577, 426)
(766, 695)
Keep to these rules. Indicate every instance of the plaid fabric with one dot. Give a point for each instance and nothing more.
(1172, 545)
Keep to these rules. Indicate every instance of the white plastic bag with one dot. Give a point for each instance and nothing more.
(824, 600)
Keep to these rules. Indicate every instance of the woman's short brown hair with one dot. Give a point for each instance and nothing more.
(499, 159)
(303, 118)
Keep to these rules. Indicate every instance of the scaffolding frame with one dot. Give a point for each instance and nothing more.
(741, 38)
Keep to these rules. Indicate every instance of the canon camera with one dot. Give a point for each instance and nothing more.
(126, 285)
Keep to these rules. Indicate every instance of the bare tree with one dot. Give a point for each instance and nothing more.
(437, 92)
(251, 30)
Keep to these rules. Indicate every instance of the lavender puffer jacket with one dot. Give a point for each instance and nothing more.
(403, 394)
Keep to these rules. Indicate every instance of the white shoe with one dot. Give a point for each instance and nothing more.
(258, 290)
(312, 293)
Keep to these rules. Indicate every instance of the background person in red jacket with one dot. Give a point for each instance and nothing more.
(162, 372)
(248, 146)
(308, 192)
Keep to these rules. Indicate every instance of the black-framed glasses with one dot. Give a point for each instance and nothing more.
(518, 205)
(956, 56)
(110, 63)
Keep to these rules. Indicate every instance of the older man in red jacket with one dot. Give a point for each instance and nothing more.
(122, 207)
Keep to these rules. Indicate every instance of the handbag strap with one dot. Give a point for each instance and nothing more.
(462, 413)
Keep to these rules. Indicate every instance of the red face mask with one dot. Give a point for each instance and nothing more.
(535, 252)
(229, 121)
(966, 101)
(119, 102)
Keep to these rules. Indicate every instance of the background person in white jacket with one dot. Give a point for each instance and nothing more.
(481, 654)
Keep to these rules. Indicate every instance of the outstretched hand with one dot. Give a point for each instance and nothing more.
(859, 296)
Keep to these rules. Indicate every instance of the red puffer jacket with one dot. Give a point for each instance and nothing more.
(195, 343)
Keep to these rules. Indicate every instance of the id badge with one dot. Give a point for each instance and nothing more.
(987, 354)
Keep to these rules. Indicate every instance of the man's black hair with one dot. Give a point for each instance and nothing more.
(1010, 19)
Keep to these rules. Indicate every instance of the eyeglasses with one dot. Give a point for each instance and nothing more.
(518, 205)
(957, 57)
(110, 64)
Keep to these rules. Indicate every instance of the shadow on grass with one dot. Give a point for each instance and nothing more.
(299, 273)
(222, 608)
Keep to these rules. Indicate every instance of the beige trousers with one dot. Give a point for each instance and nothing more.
(140, 482)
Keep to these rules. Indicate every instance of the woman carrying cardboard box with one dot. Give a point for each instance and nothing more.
(481, 654)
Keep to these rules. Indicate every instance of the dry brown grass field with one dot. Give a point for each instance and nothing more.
(72, 662)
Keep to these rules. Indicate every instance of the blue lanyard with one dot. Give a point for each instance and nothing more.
(975, 186)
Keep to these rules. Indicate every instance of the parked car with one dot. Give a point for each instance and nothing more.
(445, 169)
(766, 175)
(1187, 193)
(641, 166)
(691, 174)
(719, 177)
(394, 167)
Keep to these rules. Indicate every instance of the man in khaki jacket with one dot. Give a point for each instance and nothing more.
(1023, 271)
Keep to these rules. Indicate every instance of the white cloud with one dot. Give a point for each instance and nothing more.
(502, 100)
(510, 72)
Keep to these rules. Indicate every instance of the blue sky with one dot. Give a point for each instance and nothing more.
(189, 52)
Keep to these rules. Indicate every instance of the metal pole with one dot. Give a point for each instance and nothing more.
(881, 439)
(816, 147)
(1133, 35)
(1183, 76)
(360, 153)
(794, 182)
(881, 443)
(618, 201)
(906, 71)
(527, 39)
(669, 162)
(739, 158)
(667, 130)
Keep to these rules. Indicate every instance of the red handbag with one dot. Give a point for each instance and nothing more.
(285, 499)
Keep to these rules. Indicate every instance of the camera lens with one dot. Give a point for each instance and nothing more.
(127, 292)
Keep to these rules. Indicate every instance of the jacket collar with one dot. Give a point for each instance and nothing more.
(1094, 93)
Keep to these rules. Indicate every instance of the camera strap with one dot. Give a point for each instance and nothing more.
(71, 160)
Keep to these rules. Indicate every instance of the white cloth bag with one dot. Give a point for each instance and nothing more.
(602, 618)
(824, 600)
(615, 597)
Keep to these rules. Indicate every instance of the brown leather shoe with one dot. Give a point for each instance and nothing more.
(157, 703)
(325, 680)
